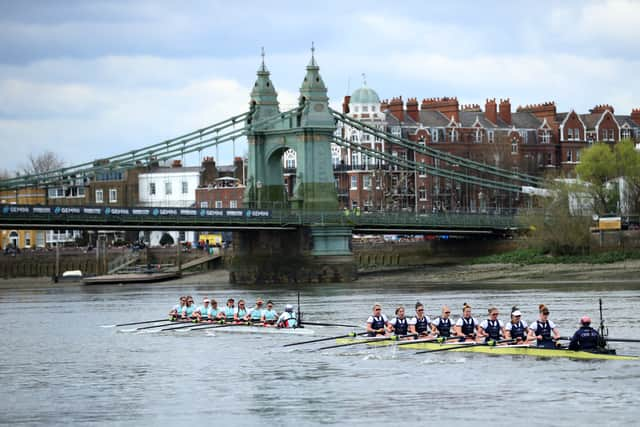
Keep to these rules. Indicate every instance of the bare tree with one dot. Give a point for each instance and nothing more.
(4, 174)
(41, 163)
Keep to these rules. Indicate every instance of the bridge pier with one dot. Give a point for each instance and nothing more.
(307, 255)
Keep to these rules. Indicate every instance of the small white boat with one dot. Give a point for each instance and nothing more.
(241, 329)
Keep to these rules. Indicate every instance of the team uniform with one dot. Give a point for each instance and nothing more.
(467, 327)
(443, 326)
(493, 328)
(188, 310)
(255, 314)
(270, 316)
(544, 329)
(377, 322)
(213, 313)
(400, 326)
(517, 330)
(422, 326)
(229, 312)
(240, 312)
(585, 338)
(204, 311)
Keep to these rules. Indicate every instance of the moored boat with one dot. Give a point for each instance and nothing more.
(500, 350)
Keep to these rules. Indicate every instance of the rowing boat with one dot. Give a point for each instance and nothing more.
(241, 329)
(500, 350)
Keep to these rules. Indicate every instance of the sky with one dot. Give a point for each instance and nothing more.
(90, 79)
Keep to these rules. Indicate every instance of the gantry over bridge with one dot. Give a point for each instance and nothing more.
(318, 235)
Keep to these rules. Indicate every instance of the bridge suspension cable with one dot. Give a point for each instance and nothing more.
(437, 154)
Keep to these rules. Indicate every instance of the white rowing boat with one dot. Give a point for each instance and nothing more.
(241, 329)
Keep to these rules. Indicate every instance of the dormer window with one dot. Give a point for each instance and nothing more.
(453, 135)
(626, 133)
(545, 138)
(478, 136)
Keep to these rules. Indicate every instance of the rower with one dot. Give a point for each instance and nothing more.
(177, 309)
(214, 312)
(517, 329)
(586, 338)
(240, 312)
(442, 325)
(491, 328)
(542, 328)
(467, 326)
(421, 324)
(399, 324)
(202, 312)
(288, 318)
(229, 311)
(269, 316)
(377, 322)
(255, 314)
(188, 309)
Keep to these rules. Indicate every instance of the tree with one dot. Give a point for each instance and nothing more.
(628, 163)
(166, 239)
(41, 163)
(598, 167)
(4, 174)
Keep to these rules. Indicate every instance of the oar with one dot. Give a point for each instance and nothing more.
(435, 339)
(490, 343)
(190, 325)
(224, 325)
(329, 324)
(349, 335)
(134, 323)
(161, 325)
(606, 339)
(390, 338)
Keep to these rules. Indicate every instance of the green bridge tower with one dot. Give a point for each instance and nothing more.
(317, 253)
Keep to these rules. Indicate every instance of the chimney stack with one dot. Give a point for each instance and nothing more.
(505, 111)
(396, 107)
(345, 104)
(491, 110)
(208, 171)
(635, 115)
(412, 109)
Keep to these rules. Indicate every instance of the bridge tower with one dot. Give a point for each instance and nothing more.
(312, 253)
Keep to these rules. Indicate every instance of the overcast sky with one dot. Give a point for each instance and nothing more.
(89, 79)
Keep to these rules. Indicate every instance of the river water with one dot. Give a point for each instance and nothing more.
(59, 367)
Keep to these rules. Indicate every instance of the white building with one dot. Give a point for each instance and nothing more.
(169, 187)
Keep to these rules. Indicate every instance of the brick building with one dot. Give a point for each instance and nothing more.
(221, 186)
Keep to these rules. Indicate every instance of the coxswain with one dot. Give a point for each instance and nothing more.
(442, 325)
(377, 322)
(229, 310)
(288, 318)
(543, 328)
(517, 329)
(269, 316)
(399, 325)
(202, 311)
(586, 338)
(188, 309)
(466, 327)
(177, 309)
(492, 328)
(421, 324)
(255, 314)
(240, 312)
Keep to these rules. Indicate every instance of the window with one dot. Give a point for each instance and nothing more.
(423, 169)
(366, 182)
(626, 133)
(355, 109)
(570, 134)
(233, 204)
(490, 136)
(27, 239)
(355, 158)
(549, 159)
(204, 205)
(365, 109)
(113, 195)
(478, 136)
(453, 135)
(185, 187)
(422, 193)
(354, 182)
(55, 193)
(514, 146)
(569, 156)
(578, 156)
(152, 188)
(421, 140)
(396, 131)
(167, 188)
(434, 135)
(545, 138)
(99, 196)
(576, 134)
(218, 204)
(373, 108)
(40, 239)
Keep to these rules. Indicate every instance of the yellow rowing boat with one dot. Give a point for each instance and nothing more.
(499, 350)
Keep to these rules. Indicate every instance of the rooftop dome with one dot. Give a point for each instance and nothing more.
(364, 95)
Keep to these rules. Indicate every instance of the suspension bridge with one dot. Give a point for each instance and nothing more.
(317, 234)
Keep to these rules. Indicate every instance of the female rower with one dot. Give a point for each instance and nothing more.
(399, 325)
(269, 316)
(255, 314)
(421, 324)
(467, 326)
(188, 309)
(241, 312)
(214, 312)
(543, 328)
(229, 311)
(177, 309)
(377, 322)
(202, 312)
(442, 325)
(517, 329)
(491, 328)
